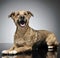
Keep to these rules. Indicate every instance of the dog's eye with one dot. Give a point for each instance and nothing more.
(28, 13)
(25, 14)
(18, 14)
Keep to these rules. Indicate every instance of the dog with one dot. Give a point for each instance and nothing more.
(25, 36)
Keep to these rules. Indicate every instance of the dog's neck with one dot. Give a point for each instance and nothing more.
(22, 31)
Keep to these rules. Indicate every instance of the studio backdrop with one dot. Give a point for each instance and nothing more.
(46, 16)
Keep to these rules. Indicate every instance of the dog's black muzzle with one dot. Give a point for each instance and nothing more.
(22, 17)
(21, 22)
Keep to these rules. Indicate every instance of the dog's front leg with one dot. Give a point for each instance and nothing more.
(9, 50)
(20, 49)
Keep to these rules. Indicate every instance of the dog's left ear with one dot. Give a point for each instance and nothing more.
(30, 13)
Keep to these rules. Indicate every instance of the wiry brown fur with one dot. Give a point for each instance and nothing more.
(25, 37)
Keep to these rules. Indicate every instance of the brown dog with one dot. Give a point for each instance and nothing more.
(25, 36)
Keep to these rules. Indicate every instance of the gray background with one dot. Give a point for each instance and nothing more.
(46, 16)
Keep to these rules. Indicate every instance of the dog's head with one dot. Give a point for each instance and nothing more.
(21, 18)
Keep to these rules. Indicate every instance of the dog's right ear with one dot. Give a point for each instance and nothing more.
(12, 14)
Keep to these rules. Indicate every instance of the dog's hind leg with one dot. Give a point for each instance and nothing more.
(52, 41)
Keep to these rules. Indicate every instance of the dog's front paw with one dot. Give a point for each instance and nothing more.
(13, 52)
(5, 52)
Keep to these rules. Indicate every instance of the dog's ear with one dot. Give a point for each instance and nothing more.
(12, 14)
(30, 13)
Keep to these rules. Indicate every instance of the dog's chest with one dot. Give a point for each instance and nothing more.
(28, 38)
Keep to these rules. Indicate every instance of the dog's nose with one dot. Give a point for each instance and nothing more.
(22, 17)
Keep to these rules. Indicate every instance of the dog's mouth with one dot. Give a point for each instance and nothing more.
(22, 23)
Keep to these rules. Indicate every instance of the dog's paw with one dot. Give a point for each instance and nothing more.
(50, 47)
(13, 52)
(4, 52)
